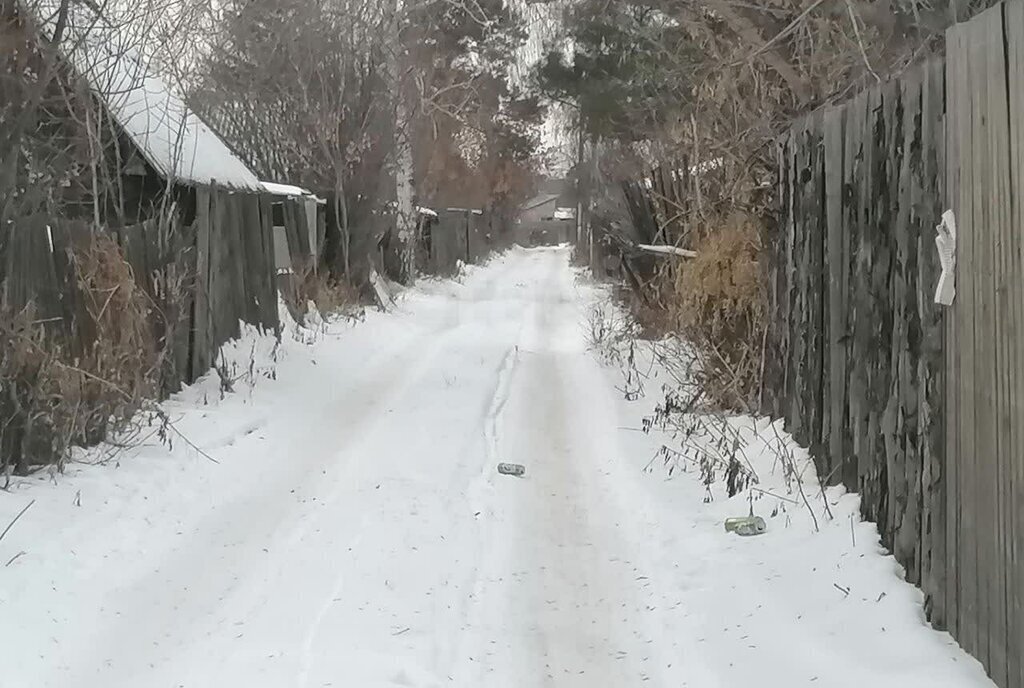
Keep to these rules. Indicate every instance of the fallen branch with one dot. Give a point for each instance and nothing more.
(753, 488)
(20, 514)
(152, 406)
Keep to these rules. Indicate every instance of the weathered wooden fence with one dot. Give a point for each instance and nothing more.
(917, 407)
(226, 254)
(855, 351)
(458, 235)
(234, 252)
(661, 203)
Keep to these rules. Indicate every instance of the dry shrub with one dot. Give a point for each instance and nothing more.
(335, 296)
(121, 359)
(78, 383)
(28, 421)
(331, 296)
(718, 302)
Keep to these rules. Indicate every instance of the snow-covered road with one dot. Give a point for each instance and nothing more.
(356, 534)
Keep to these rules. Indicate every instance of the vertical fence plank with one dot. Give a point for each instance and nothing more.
(955, 100)
(877, 338)
(228, 293)
(216, 277)
(773, 382)
(1014, 27)
(837, 287)
(65, 235)
(968, 540)
(1002, 293)
(985, 504)
(254, 269)
(865, 327)
(931, 394)
(236, 235)
(853, 165)
(202, 316)
(787, 276)
(798, 282)
(461, 235)
(815, 225)
(182, 265)
(294, 227)
(268, 298)
(902, 460)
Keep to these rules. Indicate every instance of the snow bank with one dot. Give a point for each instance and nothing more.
(818, 579)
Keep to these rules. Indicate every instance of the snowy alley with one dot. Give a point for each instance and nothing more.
(354, 532)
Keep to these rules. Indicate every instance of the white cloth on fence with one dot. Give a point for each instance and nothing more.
(945, 241)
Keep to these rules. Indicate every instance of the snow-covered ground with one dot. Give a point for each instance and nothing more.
(356, 534)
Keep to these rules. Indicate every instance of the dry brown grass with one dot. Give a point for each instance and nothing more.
(335, 296)
(82, 382)
(120, 350)
(718, 302)
(331, 296)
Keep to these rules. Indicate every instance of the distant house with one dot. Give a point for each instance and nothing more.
(549, 217)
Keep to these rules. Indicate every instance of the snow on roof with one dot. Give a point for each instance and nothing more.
(427, 211)
(170, 135)
(276, 189)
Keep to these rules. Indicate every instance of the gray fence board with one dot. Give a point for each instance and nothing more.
(1014, 25)
(833, 422)
(931, 392)
(201, 319)
(1002, 293)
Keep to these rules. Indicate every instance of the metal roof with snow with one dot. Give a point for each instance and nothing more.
(290, 191)
(539, 200)
(174, 140)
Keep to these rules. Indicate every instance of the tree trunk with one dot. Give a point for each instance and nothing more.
(341, 217)
(405, 212)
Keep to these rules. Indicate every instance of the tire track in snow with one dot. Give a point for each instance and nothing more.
(409, 378)
(493, 422)
(483, 485)
(476, 489)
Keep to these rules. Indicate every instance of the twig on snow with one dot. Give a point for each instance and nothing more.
(799, 481)
(20, 514)
(772, 494)
(154, 407)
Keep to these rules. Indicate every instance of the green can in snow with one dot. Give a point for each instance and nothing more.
(745, 525)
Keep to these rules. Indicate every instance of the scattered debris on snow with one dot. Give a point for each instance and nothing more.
(515, 469)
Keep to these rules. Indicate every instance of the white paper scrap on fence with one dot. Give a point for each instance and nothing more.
(945, 241)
